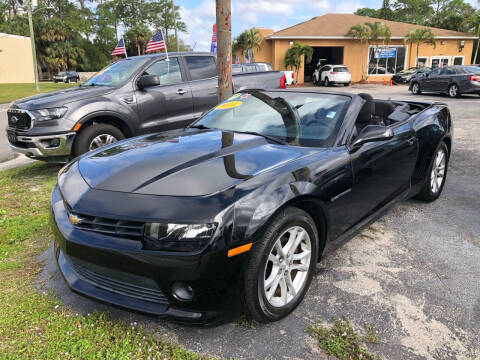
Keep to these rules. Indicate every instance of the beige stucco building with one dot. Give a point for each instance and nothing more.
(16, 63)
(327, 35)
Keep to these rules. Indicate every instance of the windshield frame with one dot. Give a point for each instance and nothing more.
(146, 61)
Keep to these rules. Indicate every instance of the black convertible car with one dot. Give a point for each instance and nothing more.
(234, 212)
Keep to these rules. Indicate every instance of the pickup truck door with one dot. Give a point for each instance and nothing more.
(203, 82)
(168, 105)
(382, 170)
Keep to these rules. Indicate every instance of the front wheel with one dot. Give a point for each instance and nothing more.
(281, 266)
(437, 173)
(453, 91)
(416, 88)
(95, 136)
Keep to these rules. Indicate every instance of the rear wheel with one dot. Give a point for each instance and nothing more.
(346, 84)
(281, 266)
(326, 82)
(453, 91)
(436, 175)
(95, 136)
(416, 89)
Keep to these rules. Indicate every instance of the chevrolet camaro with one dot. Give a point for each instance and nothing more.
(233, 213)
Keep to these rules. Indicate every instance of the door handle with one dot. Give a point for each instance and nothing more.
(411, 141)
(181, 92)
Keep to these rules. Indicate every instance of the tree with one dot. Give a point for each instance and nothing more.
(138, 36)
(412, 11)
(248, 41)
(361, 32)
(419, 36)
(373, 13)
(293, 56)
(385, 11)
(378, 31)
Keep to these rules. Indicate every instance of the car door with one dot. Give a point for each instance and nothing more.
(445, 78)
(168, 105)
(203, 82)
(324, 71)
(382, 170)
(430, 80)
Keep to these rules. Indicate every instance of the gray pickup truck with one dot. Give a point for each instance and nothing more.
(133, 96)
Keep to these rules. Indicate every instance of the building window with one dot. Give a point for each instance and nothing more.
(386, 60)
(422, 62)
(458, 60)
(439, 61)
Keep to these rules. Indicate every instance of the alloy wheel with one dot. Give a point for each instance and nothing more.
(102, 140)
(453, 90)
(415, 88)
(437, 175)
(286, 270)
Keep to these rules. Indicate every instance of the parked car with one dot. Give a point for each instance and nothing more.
(405, 76)
(66, 77)
(451, 80)
(251, 67)
(234, 212)
(131, 97)
(332, 74)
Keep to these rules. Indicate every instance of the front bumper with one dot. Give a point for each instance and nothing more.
(46, 146)
(118, 272)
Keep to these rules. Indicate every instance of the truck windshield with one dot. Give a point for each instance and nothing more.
(117, 73)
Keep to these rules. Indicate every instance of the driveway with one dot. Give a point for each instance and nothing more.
(414, 273)
(5, 152)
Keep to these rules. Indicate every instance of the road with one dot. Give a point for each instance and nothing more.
(414, 273)
(5, 152)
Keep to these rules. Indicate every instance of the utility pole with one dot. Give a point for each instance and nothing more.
(224, 49)
(32, 42)
(175, 24)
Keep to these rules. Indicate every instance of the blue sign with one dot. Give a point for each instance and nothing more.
(385, 53)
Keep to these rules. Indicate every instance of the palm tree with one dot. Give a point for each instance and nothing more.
(293, 56)
(361, 32)
(477, 33)
(378, 30)
(248, 41)
(419, 36)
(138, 35)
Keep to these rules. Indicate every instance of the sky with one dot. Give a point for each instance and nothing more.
(276, 14)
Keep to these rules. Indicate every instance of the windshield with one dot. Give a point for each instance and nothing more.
(62, 73)
(302, 119)
(118, 72)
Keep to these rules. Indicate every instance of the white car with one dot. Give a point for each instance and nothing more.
(332, 74)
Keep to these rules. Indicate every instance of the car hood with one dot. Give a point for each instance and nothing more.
(192, 163)
(61, 97)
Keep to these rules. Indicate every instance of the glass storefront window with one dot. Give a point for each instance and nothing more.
(422, 62)
(439, 62)
(386, 60)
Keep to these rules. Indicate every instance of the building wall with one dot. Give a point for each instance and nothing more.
(273, 51)
(16, 63)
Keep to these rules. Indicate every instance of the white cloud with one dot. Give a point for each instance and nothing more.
(348, 7)
(199, 21)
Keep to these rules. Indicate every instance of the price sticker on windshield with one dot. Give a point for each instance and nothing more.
(229, 105)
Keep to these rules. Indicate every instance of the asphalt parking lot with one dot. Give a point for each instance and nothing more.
(414, 273)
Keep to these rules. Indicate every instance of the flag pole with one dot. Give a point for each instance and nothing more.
(165, 40)
(125, 48)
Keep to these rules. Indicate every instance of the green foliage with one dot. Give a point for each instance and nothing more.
(340, 340)
(294, 54)
(419, 36)
(11, 92)
(137, 36)
(246, 42)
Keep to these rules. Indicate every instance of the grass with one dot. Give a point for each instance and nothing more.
(341, 340)
(36, 325)
(11, 92)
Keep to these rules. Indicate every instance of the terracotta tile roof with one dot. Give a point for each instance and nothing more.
(337, 25)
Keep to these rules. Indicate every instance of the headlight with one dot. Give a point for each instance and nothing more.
(177, 237)
(49, 114)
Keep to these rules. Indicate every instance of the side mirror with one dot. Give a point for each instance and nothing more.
(147, 81)
(371, 133)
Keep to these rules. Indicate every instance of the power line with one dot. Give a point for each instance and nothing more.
(195, 20)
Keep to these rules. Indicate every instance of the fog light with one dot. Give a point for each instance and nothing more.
(182, 292)
(55, 143)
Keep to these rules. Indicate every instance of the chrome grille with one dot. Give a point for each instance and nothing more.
(119, 287)
(119, 228)
(18, 119)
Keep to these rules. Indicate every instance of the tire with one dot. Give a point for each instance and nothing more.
(86, 137)
(260, 267)
(347, 84)
(326, 82)
(430, 193)
(415, 89)
(453, 91)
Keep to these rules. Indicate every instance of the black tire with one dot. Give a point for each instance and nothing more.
(347, 84)
(326, 82)
(427, 194)
(256, 304)
(86, 136)
(453, 91)
(65, 81)
(415, 88)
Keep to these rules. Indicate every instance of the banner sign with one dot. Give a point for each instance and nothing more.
(385, 53)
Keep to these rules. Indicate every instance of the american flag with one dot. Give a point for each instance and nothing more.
(213, 47)
(120, 49)
(156, 42)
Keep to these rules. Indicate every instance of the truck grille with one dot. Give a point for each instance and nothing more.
(123, 229)
(18, 119)
(119, 287)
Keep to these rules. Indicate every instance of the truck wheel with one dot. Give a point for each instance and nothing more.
(95, 136)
